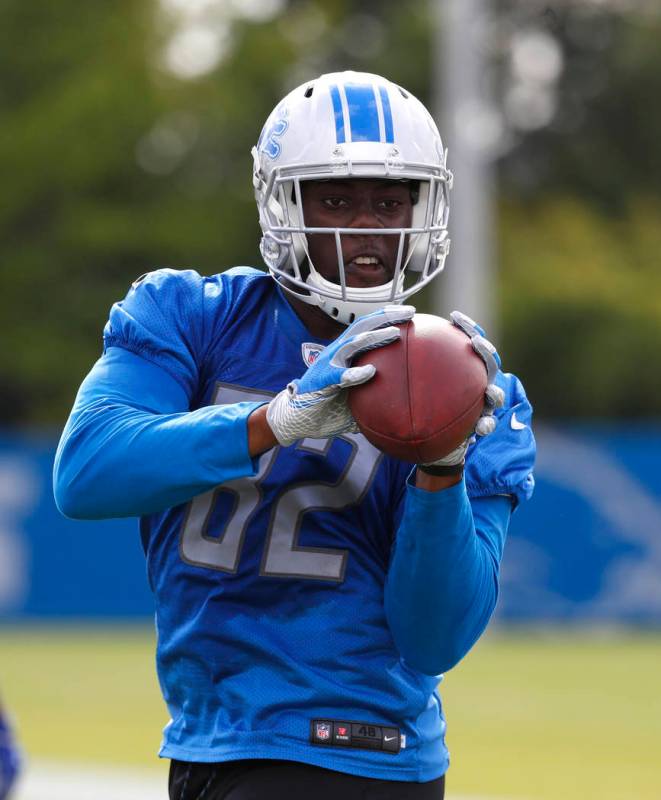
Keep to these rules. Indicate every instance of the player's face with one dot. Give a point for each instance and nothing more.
(369, 259)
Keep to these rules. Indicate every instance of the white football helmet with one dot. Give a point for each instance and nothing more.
(359, 125)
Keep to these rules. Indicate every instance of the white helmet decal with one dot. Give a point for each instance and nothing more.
(269, 139)
(350, 125)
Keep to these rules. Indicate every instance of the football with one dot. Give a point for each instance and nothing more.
(427, 394)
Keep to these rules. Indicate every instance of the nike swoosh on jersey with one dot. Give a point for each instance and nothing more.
(515, 424)
(389, 738)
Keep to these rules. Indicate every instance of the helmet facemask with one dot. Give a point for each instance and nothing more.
(421, 249)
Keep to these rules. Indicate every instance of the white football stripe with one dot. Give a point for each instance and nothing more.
(58, 781)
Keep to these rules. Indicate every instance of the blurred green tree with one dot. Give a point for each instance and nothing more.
(579, 227)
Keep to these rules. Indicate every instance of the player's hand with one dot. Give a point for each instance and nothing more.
(315, 405)
(494, 395)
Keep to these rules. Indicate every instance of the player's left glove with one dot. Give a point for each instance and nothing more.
(315, 405)
(494, 396)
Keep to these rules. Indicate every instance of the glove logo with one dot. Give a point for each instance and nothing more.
(311, 352)
(515, 424)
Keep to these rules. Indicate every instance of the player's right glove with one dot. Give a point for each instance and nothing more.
(315, 405)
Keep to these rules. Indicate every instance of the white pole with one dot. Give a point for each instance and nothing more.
(468, 127)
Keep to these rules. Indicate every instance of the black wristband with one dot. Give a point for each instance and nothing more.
(440, 470)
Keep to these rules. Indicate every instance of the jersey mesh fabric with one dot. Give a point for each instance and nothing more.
(269, 591)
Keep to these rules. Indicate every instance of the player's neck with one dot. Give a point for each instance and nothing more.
(318, 323)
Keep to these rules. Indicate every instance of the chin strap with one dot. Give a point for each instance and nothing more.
(347, 311)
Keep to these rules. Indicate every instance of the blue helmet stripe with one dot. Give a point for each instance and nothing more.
(387, 114)
(363, 112)
(339, 115)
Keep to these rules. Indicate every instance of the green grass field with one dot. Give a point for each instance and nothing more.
(561, 715)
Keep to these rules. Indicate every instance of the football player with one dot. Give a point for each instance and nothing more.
(9, 757)
(309, 590)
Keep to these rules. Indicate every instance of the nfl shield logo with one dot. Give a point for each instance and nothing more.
(323, 730)
(310, 352)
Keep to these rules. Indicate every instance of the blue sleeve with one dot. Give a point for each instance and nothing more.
(502, 463)
(162, 320)
(130, 447)
(442, 583)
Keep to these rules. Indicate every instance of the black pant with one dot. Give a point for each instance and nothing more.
(264, 779)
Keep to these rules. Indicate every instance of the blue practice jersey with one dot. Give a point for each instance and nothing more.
(273, 638)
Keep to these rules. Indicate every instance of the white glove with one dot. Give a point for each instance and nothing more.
(315, 405)
(494, 395)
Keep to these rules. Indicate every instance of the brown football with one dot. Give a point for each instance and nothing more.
(427, 394)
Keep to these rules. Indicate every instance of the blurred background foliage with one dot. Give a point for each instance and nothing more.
(125, 146)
